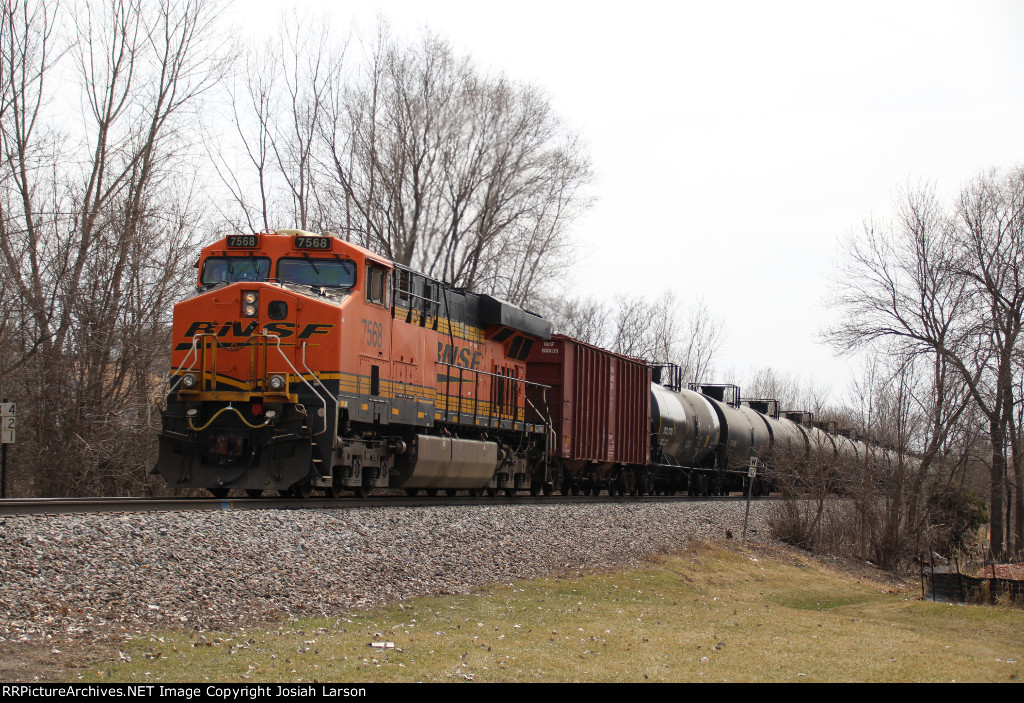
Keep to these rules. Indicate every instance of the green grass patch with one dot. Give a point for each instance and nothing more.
(711, 614)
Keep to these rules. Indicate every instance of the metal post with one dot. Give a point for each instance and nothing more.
(751, 474)
(3, 466)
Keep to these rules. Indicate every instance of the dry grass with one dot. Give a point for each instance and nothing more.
(711, 614)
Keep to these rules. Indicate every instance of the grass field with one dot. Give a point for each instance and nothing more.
(715, 613)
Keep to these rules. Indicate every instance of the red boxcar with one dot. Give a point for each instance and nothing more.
(600, 402)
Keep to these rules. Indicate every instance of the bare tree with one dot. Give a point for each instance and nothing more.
(585, 319)
(658, 330)
(271, 165)
(704, 337)
(96, 221)
(410, 151)
(792, 392)
(947, 284)
(468, 178)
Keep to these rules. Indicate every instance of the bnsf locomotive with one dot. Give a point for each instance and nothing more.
(303, 362)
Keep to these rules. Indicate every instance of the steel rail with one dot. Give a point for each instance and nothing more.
(60, 506)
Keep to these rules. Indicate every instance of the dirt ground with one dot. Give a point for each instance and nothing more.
(52, 662)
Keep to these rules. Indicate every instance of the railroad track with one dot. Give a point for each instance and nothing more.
(56, 506)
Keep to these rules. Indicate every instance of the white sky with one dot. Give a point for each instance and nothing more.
(736, 143)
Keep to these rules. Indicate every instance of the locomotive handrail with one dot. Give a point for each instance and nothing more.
(321, 384)
(479, 372)
(163, 390)
(323, 400)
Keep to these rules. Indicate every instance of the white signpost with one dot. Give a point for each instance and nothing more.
(7, 422)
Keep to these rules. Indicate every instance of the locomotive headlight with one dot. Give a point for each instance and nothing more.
(188, 381)
(278, 382)
(250, 303)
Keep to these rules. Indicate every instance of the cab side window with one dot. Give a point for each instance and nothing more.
(376, 285)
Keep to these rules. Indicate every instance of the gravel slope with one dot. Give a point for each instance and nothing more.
(77, 575)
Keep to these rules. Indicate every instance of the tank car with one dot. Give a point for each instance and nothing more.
(303, 362)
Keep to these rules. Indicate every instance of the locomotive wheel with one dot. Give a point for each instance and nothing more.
(219, 492)
(254, 492)
(333, 491)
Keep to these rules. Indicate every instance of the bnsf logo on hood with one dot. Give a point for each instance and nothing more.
(247, 329)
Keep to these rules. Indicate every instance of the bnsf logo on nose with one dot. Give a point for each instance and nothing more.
(242, 329)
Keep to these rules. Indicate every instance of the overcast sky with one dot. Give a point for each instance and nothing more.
(737, 143)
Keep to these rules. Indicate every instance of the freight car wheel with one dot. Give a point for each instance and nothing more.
(492, 492)
(333, 492)
(302, 491)
(254, 492)
(702, 486)
(412, 492)
(476, 492)
(450, 492)
(363, 491)
(219, 492)
(432, 492)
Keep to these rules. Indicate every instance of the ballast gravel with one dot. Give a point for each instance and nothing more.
(71, 576)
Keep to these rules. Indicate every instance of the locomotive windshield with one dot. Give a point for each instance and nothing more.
(229, 269)
(308, 271)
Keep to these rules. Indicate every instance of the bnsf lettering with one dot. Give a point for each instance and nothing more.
(281, 329)
(201, 328)
(242, 329)
(309, 330)
(236, 329)
(459, 356)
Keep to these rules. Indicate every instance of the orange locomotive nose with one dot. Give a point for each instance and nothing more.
(256, 349)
